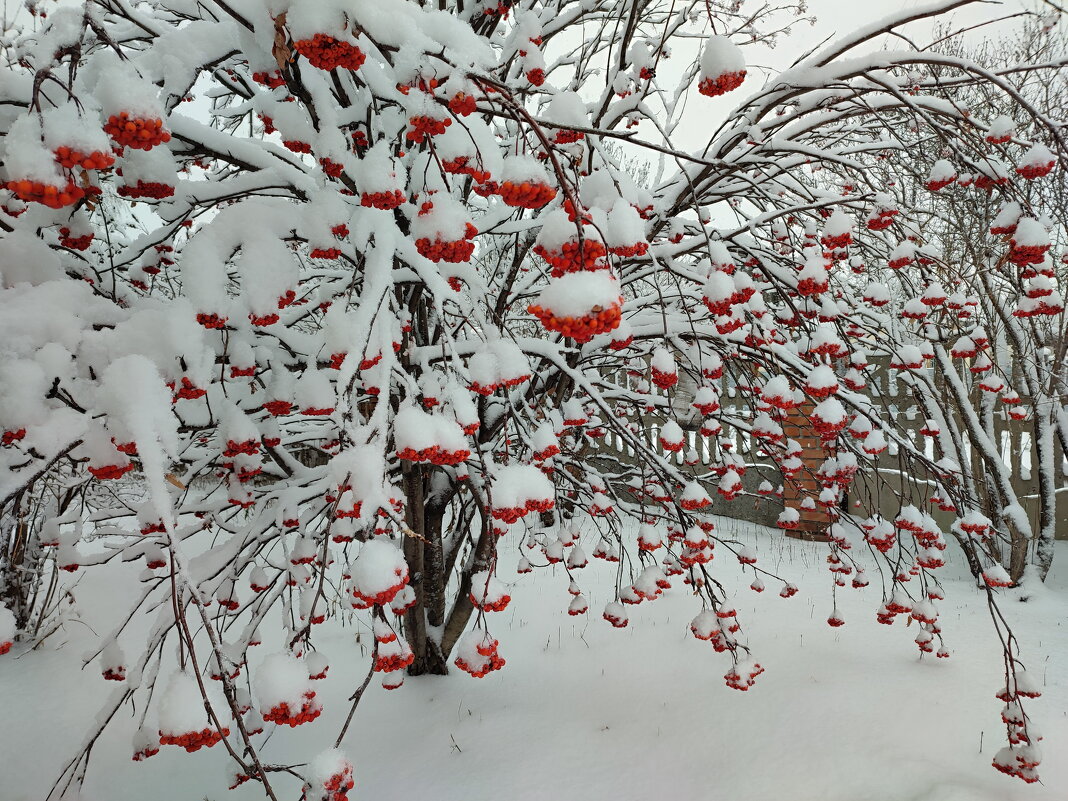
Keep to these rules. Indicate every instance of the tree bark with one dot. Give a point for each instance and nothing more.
(1047, 490)
(415, 618)
(461, 610)
(434, 577)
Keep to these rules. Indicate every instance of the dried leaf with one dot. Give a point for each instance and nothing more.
(280, 50)
(173, 479)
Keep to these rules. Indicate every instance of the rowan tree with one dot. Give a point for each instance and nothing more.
(340, 294)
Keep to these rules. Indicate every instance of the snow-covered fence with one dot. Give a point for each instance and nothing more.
(1014, 439)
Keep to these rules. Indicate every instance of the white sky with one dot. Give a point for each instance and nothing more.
(834, 19)
(841, 17)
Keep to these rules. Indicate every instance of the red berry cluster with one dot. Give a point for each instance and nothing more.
(988, 182)
(812, 286)
(462, 104)
(389, 662)
(115, 673)
(427, 85)
(527, 194)
(489, 389)
(494, 661)
(546, 453)
(145, 753)
(536, 76)
(250, 447)
(272, 80)
(211, 320)
(452, 251)
(942, 183)
(742, 679)
(387, 595)
(70, 158)
(461, 165)
(596, 508)
(837, 242)
(296, 145)
(143, 189)
(434, 455)
(352, 512)
(326, 53)
(263, 319)
(1018, 763)
(331, 167)
(337, 786)
(630, 251)
(565, 136)
(278, 408)
(510, 514)
(1023, 255)
(1032, 171)
(367, 364)
(899, 262)
(136, 132)
(648, 545)
(5, 646)
(721, 84)
(74, 242)
(283, 715)
(1042, 307)
(575, 256)
(189, 391)
(487, 605)
(581, 329)
(664, 380)
(617, 621)
(193, 740)
(424, 126)
(55, 197)
(671, 446)
(882, 543)
(881, 220)
(500, 9)
(325, 253)
(110, 472)
(382, 200)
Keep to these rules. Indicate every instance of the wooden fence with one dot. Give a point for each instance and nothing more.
(1014, 440)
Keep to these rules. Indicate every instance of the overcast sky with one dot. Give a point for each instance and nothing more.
(838, 18)
(834, 19)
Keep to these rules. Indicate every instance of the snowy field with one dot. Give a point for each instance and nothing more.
(586, 712)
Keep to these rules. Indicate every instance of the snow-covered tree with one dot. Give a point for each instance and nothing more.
(1016, 306)
(307, 303)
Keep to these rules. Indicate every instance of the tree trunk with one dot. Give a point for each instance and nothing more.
(16, 567)
(1047, 490)
(414, 554)
(461, 610)
(434, 577)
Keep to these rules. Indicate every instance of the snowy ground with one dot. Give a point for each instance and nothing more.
(584, 711)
